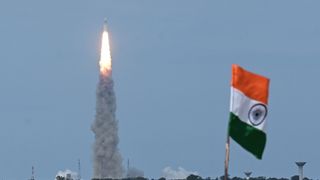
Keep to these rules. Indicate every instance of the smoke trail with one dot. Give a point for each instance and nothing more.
(107, 158)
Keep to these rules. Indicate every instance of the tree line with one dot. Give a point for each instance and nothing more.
(197, 177)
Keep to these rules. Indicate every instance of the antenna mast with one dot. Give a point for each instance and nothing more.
(32, 173)
(79, 170)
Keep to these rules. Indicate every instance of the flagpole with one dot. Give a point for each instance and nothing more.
(226, 161)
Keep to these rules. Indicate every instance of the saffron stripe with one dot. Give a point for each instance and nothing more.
(252, 85)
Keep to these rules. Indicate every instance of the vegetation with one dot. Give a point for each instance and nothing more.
(197, 177)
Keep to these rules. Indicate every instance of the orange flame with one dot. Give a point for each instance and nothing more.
(105, 56)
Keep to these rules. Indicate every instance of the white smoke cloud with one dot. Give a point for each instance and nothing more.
(180, 173)
(74, 175)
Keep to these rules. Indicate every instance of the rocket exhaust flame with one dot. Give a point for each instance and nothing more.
(107, 158)
(105, 57)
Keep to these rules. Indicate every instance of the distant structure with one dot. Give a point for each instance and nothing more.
(32, 173)
(128, 167)
(300, 167)
(79, 170)
(248, 174)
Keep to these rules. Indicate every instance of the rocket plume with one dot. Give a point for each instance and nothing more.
(107, 158)
(105, 57)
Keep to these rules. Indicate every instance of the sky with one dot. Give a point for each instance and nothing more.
(172, 69)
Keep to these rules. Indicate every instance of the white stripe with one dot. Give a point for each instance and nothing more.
(240, 106)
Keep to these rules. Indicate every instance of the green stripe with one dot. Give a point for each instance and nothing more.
(249, 137)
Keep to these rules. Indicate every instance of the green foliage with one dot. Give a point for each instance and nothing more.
(193, 177)
(222, 177)
(236, 178)
(295, 177)
(196, 177)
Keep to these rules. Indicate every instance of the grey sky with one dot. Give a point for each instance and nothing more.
(172, 62)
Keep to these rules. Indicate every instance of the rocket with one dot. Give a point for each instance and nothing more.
(105, 25)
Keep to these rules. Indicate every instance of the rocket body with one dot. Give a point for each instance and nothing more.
(105, 25)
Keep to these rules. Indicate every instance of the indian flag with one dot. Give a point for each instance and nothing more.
(248, 110)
